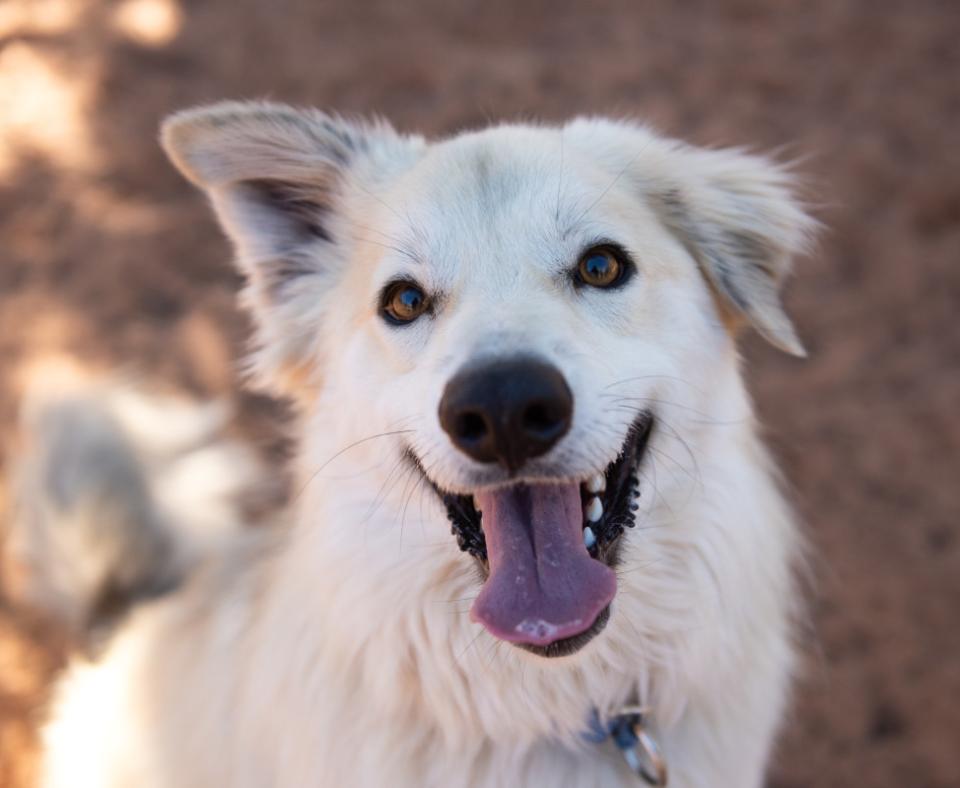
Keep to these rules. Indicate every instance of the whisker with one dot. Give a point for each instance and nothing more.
(470, 644)
(399, 250)
(379, 199)
(704, 417)
(613, 183)
(419, 483)
(386, 487)
(654, 377)
(559, 181)
(344, 450)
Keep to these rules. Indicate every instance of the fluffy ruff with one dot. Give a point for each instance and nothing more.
(290, 644)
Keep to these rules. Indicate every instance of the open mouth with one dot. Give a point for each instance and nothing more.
(547, 550)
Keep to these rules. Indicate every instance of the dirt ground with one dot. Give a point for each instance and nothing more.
(107, 255)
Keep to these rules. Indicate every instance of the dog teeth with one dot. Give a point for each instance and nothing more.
(594, 510)
(596, 483)
(589, 537)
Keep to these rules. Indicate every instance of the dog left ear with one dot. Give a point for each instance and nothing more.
(737, 216)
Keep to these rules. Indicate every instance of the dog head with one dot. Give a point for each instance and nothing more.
(529, 311)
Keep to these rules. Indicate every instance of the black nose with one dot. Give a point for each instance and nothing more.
(506, 411)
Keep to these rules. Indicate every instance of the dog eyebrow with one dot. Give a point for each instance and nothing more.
(404, 246)
(573, 222)
(571, 218)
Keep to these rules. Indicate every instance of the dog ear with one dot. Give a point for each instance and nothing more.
(735, 213)
(278, 178)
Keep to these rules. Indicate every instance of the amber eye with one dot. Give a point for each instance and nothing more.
(599, 267)
(403, 302)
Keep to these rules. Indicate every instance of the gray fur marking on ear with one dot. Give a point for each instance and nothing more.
(744, 266)
(309, 211)
(273, 172)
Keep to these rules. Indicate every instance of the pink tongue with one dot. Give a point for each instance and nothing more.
(543, 585)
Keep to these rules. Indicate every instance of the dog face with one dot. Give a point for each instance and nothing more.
(531, 311)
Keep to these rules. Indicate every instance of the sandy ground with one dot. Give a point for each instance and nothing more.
(107, 255)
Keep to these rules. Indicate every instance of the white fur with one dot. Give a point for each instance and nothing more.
(339, 651)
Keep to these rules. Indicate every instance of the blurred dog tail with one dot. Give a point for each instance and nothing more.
(116, 495)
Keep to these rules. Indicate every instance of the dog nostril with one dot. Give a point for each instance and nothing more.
(540, 419)
(471, 427)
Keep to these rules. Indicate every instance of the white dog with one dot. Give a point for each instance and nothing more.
(525, 335)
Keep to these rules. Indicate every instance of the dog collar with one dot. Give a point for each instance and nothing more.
(628, 731)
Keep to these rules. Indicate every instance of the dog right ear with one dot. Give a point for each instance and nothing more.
(277, 177)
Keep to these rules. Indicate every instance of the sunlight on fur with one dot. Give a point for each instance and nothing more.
(117, 487)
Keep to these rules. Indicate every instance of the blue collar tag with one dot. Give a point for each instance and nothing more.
(629, 734)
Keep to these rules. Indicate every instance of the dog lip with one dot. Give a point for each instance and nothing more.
(618, 506)
(639, 429)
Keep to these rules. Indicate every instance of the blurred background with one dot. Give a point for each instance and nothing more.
(110, 260)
